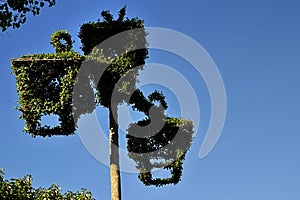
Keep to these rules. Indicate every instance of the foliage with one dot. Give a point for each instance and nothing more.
(176, 172)
(120, 55)
(13, 12)
(161, 146)
(45, 84)
(21, 189)
(93, 33)
(56, 41)
(170, 144)
(1, 174)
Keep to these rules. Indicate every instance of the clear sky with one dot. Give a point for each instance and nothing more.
(256, 46)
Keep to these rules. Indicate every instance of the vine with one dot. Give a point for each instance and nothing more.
(57, 39)
(44, 85)
(151, 148)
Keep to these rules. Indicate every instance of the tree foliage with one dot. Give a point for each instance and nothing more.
(13, 13)
(22, 189)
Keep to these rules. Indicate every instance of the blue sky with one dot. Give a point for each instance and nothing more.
(256, 46)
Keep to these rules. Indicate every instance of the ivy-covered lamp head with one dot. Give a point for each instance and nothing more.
(120, 54)
(158, 142)
(45, 84)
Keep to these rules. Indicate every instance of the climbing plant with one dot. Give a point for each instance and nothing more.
(57, 39)
(161, 146)
(118, 58)
(46, 82)
(119, 53)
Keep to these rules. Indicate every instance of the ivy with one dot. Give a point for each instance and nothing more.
(56, 41)
(143, 145)
(153, 147)
(45, 84)
(176, 173)
(120, 63)
(93, 33)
